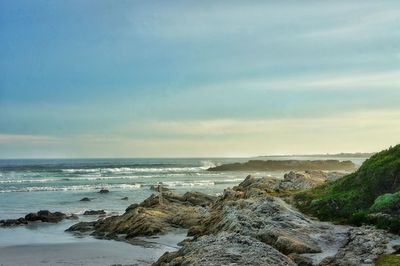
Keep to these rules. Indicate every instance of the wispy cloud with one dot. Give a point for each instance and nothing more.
(377, 80)
(38, 139)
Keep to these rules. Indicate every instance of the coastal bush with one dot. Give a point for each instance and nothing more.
(386, 203)
(374, 187)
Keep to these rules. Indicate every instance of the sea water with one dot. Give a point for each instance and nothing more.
(58, 185)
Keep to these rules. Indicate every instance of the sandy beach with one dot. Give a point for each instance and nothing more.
(90, 251)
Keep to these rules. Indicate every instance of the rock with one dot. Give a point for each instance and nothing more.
(155, 188)
(363, 246)
(246, 225)
(302, 180)
(290, 244)
(124, 198)
(225, 249)
(46, 216)
(104, 191)
(13, 222)
(131, 207)
(249, 210)
(93, 212)
(150, 217)
(82, 227)
(85, 199)
(301, 260)
(279, 165)
(43, 216)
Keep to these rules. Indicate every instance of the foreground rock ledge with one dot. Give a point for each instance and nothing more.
(225, 249)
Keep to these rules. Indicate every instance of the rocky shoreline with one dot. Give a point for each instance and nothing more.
(285, 165)
(250, 224)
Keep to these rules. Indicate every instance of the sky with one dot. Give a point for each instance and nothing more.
(100, 78)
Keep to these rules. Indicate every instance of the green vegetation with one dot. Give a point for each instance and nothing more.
(387, 203)
(370, 195)
(388, 260)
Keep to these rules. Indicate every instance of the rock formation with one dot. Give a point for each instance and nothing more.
(150, 217)
(269, 223)
(42, 216)
(295, 165)
(250, 224)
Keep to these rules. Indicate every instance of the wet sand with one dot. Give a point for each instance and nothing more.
(90, 251)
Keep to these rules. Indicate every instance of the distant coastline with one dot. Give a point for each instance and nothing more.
(333, 155)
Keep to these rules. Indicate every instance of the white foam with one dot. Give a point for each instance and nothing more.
(43, 180)
(207, 164)
(73, 188)
(134, 170)
(188, 184)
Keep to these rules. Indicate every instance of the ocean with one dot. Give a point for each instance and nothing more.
(59, 185)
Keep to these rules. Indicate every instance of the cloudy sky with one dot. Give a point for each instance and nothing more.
(121, 78)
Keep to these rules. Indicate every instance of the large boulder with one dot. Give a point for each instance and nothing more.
(225, 249)
(94, 212)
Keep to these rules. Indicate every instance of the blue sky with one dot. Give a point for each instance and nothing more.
(198, 78)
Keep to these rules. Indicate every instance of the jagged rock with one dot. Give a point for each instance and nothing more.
(85, 199)
(250, 210)
(303, 180)
(93, 212)
(82, 227)
(363, 246)
(13, 222)
(225, 249)
(43, 216)
(150, 217)
(124, 198)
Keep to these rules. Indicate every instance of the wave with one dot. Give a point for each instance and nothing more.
(188, 184)
(43, 180)
(228, 181)
(74, 188)
(80, 171)
(132, 170)
(206, 164)
(88, 178)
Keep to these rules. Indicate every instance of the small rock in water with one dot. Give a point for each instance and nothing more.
(124, 198)
(43, 216)
(104, 190)
(85, 199)
(93, 212)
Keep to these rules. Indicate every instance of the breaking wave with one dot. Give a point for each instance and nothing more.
(74, 188)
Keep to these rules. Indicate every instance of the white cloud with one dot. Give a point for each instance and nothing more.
(370, 130)
(377, 80)
(20, 138)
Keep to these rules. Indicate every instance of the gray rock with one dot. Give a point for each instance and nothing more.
(85, 199)
(94, 212)
(43, 216)
(225, 249)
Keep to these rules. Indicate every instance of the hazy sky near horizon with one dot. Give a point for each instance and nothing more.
(198, 78)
